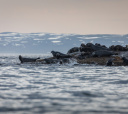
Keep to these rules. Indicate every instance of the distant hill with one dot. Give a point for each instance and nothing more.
(11, 42)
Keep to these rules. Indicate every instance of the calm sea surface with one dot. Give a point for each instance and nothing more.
(62, 89)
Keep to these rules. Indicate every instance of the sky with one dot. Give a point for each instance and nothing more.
(64, 16)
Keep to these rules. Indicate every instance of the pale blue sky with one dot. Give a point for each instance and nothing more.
(64, 16)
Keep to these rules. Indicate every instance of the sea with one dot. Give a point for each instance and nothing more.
(34, 88)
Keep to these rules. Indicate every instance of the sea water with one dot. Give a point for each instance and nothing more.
(62, 89)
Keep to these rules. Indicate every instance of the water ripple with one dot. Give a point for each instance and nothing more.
(76, 89)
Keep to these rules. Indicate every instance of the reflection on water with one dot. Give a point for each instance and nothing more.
(60, 89)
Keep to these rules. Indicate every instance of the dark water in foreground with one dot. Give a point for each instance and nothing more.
(65, 89)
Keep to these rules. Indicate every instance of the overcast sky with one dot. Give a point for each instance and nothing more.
(64, 16)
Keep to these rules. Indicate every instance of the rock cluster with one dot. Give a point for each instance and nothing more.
(118, 48)
(90, 54)
(100, 54)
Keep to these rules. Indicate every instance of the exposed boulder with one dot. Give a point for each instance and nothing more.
(94, 60)
(86, 49)
(89, 44)
(89, 47)
(110, 62)
(97, 44)
(118, 48)
(87, 54)
(125, 60)
(83, 45)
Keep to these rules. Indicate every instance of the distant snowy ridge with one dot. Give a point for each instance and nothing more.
(12, 42)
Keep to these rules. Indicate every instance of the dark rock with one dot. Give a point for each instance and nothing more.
(89, 47)
(100, 45)
(83, 45)
(118, 48)
(64, 60)
(110, 62)
(81, 57)
(96, 47)
(125, 60)
(86, 49)
(97, 44)
(89, 44)
(50, 61)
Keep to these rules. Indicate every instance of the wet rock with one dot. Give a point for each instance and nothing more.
(110, 62)
(89, 44)
(83, 45)
(64, 60)
(50, 61)
(94, 60)
(125, 60)
(97, 44)
(89, 47)
(118, 48)
(86, 49)
(96, 47)
(88, 54)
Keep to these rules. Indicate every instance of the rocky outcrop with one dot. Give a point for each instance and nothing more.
(99, 54)
(89, 54)
(125, 61)
(118, 48)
